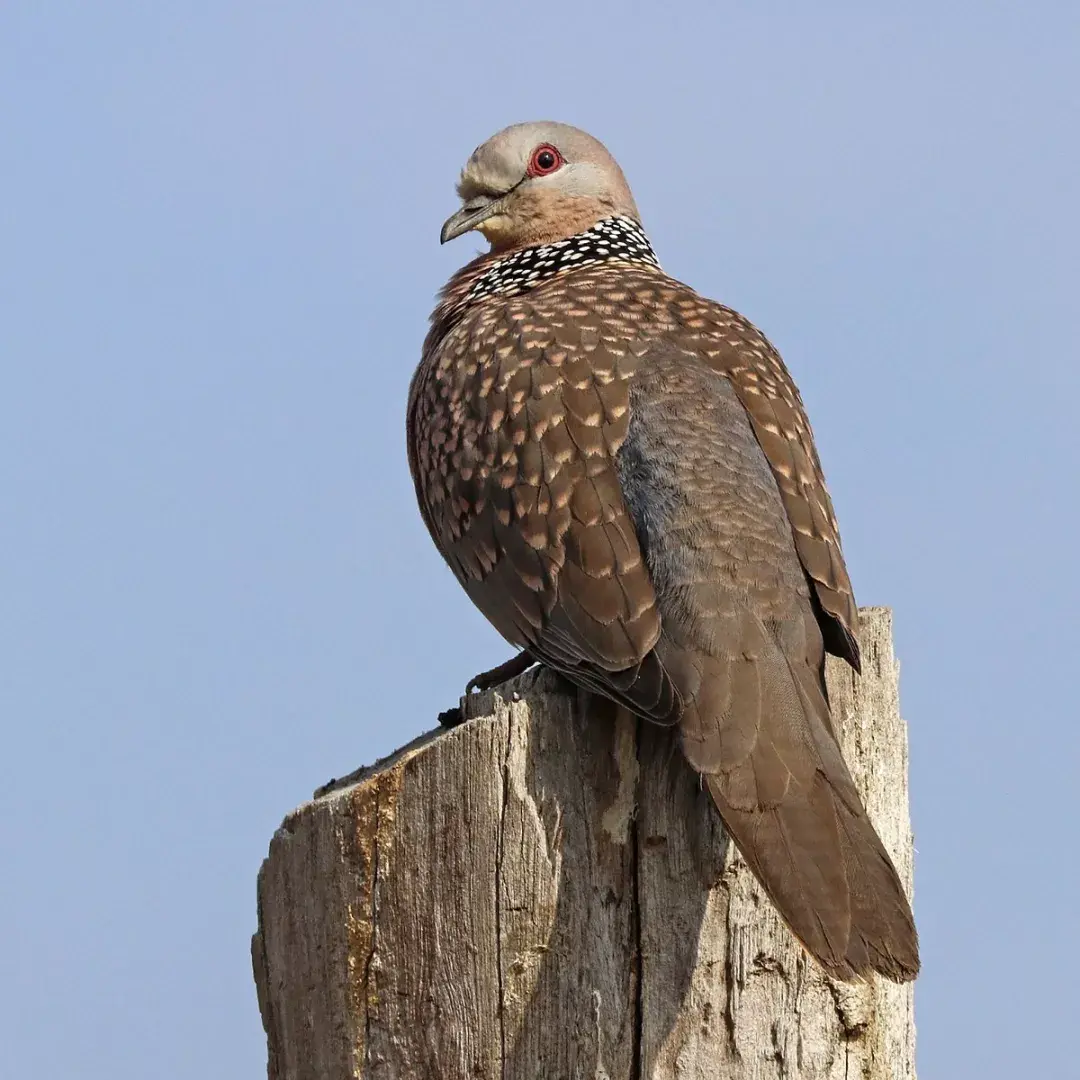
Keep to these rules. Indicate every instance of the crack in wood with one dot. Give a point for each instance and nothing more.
(499, 854)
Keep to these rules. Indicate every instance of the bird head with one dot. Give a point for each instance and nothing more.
(537, 183)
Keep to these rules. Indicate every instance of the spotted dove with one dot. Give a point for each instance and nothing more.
(622, 476)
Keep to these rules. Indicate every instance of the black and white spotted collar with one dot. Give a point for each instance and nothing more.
(619, 238)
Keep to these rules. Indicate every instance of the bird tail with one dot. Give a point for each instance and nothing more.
(788, 800)
(851, 914)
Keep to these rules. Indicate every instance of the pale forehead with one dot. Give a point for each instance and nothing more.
(519, 140)
(504, 157)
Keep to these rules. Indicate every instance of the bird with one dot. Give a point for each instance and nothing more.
(621, 474)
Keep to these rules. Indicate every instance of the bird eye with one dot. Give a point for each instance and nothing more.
(545, 159)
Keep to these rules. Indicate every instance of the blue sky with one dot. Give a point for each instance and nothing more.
(219, 226)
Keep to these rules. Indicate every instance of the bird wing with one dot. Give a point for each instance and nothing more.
(772, 401)
(515, 474)
(742, 644)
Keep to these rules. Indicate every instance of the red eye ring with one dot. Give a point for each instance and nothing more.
(545, 160)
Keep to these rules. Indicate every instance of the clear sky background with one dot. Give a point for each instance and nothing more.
(218, 250)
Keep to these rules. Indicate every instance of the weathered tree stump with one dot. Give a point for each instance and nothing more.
(546, 893)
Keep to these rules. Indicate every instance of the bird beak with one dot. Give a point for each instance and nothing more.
(473, 213)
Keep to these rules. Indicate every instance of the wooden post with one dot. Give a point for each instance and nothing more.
(546, 893)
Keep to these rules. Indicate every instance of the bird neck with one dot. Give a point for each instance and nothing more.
(614, 239)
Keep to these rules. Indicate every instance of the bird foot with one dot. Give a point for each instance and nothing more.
(515, 666)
